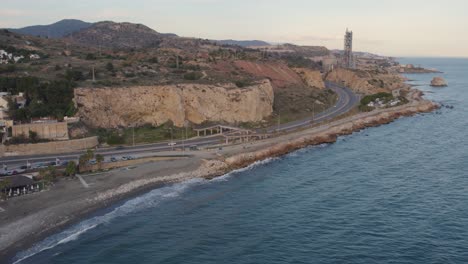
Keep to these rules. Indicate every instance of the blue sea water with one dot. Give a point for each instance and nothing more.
(392, 194)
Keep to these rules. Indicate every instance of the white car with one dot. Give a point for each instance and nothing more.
(172, 144)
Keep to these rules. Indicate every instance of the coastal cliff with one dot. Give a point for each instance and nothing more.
(155, 105)
(366, 82)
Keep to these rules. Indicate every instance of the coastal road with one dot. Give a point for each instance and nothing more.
(346, 101)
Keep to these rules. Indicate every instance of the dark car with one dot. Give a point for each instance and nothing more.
(113, 159)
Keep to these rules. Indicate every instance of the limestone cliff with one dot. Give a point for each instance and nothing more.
(367, 82)
(155, 105)
(312, 78)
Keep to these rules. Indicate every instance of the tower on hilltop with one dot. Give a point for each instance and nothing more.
(348, 58)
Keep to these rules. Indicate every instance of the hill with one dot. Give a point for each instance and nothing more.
(55, 30)
(243, 43)
(119, 35)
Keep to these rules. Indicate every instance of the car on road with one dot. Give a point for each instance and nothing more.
(92, 162)
(172, 144)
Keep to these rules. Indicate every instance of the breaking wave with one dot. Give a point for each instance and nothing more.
(148, 200)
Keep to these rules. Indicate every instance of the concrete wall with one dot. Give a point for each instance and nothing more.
(49, 147)
(57, 131)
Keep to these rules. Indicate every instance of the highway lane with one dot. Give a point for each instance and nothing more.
(346, 101)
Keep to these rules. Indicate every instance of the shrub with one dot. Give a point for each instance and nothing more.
(115, 139)
(110, 66)
(192, 76)
(90, 56)
(370, 98)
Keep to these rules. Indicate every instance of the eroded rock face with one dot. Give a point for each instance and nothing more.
(365, 82)
(155, 105)
(311, 77)
(438, 82)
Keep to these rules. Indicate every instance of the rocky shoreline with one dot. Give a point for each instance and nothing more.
(208, 167)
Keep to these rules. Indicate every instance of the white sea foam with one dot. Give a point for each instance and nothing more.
(228, 175)
(304, 150)
(149, 200)
(145, 201)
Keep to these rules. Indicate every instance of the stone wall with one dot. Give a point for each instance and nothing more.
(49, 147)
(56, 131)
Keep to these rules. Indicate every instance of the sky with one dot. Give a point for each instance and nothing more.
(391, 27)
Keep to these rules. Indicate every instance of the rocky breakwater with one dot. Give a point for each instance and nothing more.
(113, 107)
(329, 133)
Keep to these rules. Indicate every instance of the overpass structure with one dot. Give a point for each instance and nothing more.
(221, 129)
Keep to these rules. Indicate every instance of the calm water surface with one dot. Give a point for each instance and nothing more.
(393, 194)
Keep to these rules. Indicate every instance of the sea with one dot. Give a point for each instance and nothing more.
(397, 193)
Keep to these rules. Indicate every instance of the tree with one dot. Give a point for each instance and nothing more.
(3, 185)
(86, 157)
(99, 160)
(48, 174)
(70, 170)
(110, 66)
(90, 56)
(33, 136)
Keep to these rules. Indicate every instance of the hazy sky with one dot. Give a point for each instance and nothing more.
(396, 27)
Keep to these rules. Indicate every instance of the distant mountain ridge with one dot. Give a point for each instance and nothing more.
(243, 43)
(59, 29)
(88, 33)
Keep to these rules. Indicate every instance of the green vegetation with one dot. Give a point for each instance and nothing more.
(70, 170)
(49, 174)
(86, 157)
(110, 67)
(297, 61)
(99, 160)
(243, 83)
(144, 134)
(43, 99)
(193, 76)
(10, 68)
(3, 185)
(22, 52)
(22, 139)
(90, 56)
(386, 97)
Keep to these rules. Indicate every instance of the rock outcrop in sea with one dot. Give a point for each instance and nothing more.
(438, 82)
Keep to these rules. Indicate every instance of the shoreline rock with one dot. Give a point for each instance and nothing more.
(438, 82)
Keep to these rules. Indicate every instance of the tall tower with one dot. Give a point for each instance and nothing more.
(348, 59)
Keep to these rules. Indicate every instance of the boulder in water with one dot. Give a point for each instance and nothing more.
(438, 82)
